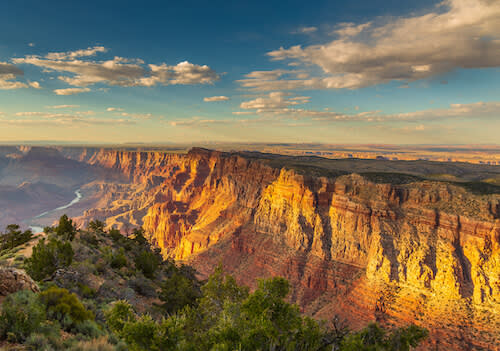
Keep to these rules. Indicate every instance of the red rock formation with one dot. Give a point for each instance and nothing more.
(425, 253)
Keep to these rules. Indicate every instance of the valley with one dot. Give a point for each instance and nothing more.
(397, 242)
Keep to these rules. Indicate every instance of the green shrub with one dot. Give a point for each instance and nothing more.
(64, 306)
(100, 344)
(118, 260)
(118, 315)
(143, 286)
(90, 239)
(140, 335)
(48, 257)
(86, 291)
(21, 315)
(43, 342)
(89, 329)
(147, 262)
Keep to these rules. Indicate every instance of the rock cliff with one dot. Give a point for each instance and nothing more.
(423, 252)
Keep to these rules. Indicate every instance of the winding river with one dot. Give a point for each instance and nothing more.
(32, 222)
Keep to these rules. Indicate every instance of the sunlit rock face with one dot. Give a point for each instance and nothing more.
(425, 253)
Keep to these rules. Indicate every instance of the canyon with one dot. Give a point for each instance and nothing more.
(360, 240)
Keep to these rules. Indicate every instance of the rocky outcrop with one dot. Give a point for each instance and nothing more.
(13, 280)
(423, 252)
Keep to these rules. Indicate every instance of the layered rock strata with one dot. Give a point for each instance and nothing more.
(424, 252)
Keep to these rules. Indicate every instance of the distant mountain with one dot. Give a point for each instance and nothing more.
(46, 165)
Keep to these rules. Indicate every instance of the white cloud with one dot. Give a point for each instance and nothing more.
(8, 74)
(71, 91)
(31, 45)
(63, 106)
(275, 101)
(66, 121)
(197, 121)
(280, 80)
(306, 30)
(76, 118)
(280, 105)
(78, 70)
(242, 113)
(54, 115)
(91, 51)
(456, 34)
(112, 109)
(215, 98)
(35, 85)
(7, 82)
(346, 30)
(137, 115)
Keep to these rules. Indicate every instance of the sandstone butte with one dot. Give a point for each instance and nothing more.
(426, 253)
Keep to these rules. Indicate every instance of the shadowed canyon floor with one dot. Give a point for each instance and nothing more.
(392, 241)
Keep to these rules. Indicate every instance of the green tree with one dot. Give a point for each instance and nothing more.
(374, 338)
(139, 237)
(178, 291)
(14, 237)
(115, 234)
(66, 229)
(96, 226)
(48, 257)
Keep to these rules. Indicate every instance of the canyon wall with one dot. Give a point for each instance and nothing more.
(425, 252)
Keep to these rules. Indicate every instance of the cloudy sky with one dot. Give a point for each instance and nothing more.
(367, 71)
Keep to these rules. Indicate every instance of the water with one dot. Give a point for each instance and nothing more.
(32, 221)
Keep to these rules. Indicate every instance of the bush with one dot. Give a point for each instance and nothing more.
(118, 260)
(90, 239)
(143, 286)
(47, 258)
(100, 344)
(140, 334)
(46, 338)
(147, 262)
(64, 306)
(21, 315)
(85, 290)
(118, 315)
(43, 342)
(89, 329)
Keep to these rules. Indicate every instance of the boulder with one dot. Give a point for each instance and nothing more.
(13, 280)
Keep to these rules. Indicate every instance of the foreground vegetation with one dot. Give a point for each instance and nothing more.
(103, 291)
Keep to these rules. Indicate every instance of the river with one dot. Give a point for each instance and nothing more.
(32, 222)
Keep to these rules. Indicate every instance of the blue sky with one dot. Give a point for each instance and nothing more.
(267, 71)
